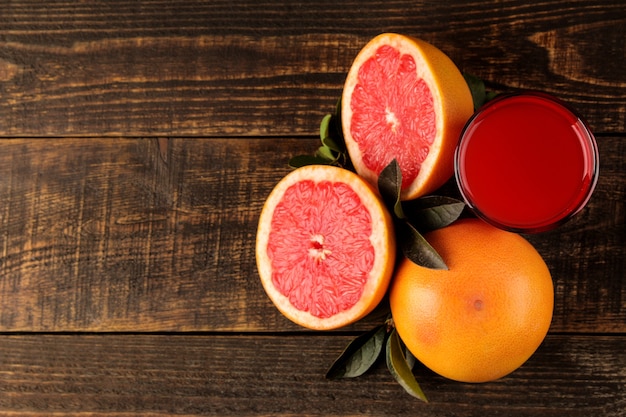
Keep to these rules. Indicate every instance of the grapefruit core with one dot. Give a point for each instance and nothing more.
(405, 99)
(483, 317)
(325, 247)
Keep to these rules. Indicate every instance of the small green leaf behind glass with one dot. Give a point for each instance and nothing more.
(359, 355)
(400, 368)
(479, 93)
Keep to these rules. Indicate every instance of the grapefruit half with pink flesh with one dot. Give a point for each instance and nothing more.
(404, 99)
(325, 247)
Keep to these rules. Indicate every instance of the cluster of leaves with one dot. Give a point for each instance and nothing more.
(333, 148)
(364, 351)
(411, 220)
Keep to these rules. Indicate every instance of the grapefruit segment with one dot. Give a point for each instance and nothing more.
(325, 247)
(405, 99)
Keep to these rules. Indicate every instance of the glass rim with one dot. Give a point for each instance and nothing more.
(590, 149)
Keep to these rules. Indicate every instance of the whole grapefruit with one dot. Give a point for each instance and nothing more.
(404, 99)
(483, 317)
(325, 247)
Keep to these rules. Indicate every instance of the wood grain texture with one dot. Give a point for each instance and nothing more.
(158, 235)
(284, 376)
(214, 68)
(128, 283)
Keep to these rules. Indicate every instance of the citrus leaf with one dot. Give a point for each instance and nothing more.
(359, 355)
(480, 94)
(330, 143)
(324, 126)
(333, 150)
(415, 247)
(410, 359)
(389, 186)
(336, 130)
(491, 95)
(303, 160)
(326, 153)
(338, 108)
(399, 367)
(433, 212)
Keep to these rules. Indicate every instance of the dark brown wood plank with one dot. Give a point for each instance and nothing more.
(158, 235)
(284, 376)
(209, 68)
(585, 252)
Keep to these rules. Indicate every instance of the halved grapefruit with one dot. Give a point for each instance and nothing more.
(325, 247)
(405, 99)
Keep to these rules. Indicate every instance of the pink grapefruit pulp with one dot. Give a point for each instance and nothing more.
(325, 247)
(404, 99)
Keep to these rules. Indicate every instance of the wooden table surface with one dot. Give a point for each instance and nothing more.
(139, 142)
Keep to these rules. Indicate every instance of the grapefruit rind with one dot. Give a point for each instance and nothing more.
(382, 239)
(452, 102)
(468, 329)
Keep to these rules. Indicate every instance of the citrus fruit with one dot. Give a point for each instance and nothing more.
(483, 317)
(405, 99)
(325, 247)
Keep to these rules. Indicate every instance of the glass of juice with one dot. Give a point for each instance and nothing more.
(526, 162)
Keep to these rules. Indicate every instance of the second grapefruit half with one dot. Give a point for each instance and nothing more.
(325, 247)
(404, 99)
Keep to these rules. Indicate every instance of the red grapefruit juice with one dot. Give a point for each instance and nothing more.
(526, 162)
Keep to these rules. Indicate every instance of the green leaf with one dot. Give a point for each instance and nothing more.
(415, 247)
(410, 359)
(480, 95)
(330, 143)
(399, 367)
(303, 160)
(390, 188)
(324, 126)
(336, 122)
(338, 108)
(326, 153)
(336, 130)
(333, 150)
(477, 88)
(491, 95)
(359, 355)
(433, 212)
